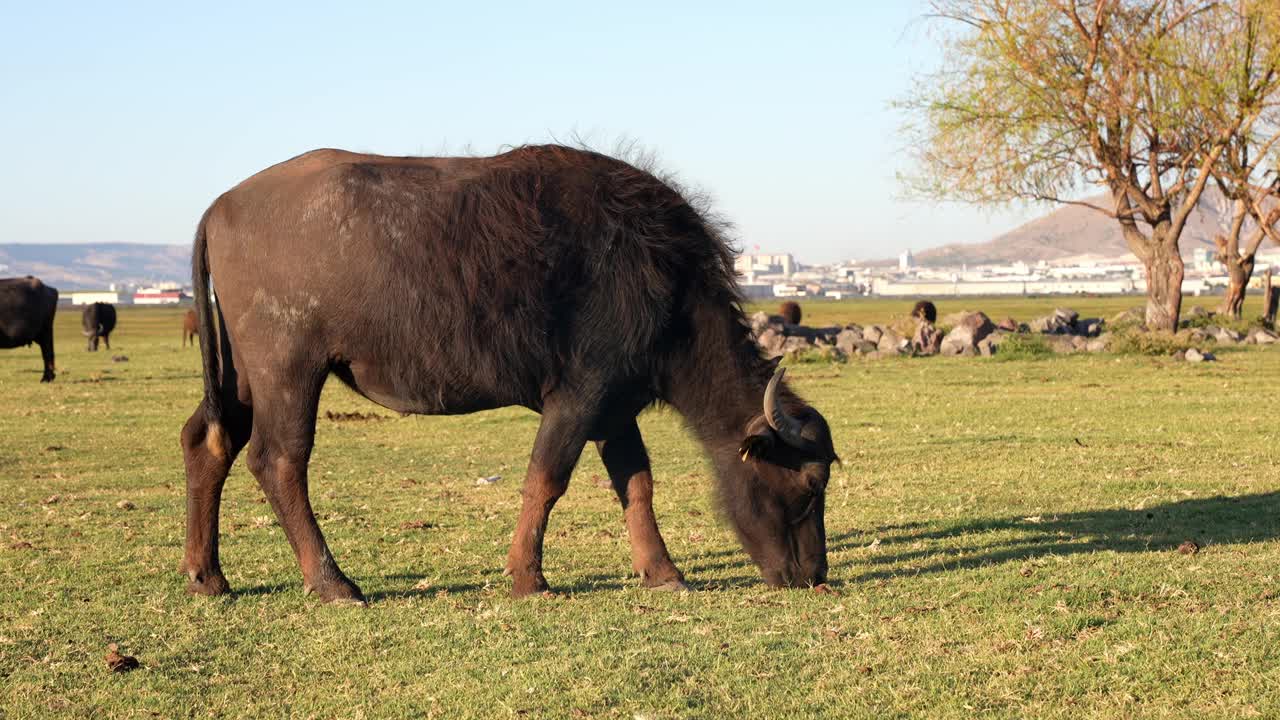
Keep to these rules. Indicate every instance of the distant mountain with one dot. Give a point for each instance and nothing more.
(93, 266)
(1073, 232)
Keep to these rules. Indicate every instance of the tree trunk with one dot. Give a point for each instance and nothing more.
(1164, 286)
(1239, 271)
(1270, 299)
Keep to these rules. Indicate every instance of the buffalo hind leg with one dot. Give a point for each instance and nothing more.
(556, 449)
(627, 461)
(209, 450)
(283, 435)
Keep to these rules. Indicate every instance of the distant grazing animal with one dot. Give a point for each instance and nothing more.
(190, 326)
(98, 319)
(924, 310)
(790, 312)
(27, 307)
(558, 279)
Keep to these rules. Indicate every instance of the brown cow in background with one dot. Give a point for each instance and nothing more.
(190, 327)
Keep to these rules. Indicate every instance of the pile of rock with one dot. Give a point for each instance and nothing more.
(778, 338)
(974, 334)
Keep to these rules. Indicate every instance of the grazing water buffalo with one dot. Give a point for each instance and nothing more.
(27, 307)
(560, 280)
(190, 326)
(98, 320)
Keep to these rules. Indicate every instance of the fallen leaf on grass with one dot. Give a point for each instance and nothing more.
(21, 545)
(120, 663)
(51, 500)
(1188, 548)
(825, 589)
(417, 525)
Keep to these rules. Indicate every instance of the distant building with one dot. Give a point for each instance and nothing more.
(758, 264)
(1204, 259)
(159, 296)
(88, 297)
(905, 260)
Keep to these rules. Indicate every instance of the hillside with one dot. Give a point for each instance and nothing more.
(1071, 232)
(96, 265)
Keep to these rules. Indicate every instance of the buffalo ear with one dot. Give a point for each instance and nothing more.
(756, 446)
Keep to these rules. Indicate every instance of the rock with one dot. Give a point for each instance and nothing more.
(1226, 336)
(927, 340)
(1050, 325)
(1132, 316)
(854, 327)
(847, 339)
(872, 333)
(794, 344)
(490, 480)
(125, 505)
(1198, 312)
(1198, 336)
(1008, 325)
(864, 347)
(892, 342)
(1195, 356)
(966, 334)
(1262, 336)
(1067, 315)
(988, 346)
(772, 340)
(1180, 355)
(1099, 344)
(759, 323)
(1079, 342)
(1091, 327)
(1061, 344)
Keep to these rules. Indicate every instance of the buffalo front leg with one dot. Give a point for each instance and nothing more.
(556, 450)
(45, 341)
(627, 462)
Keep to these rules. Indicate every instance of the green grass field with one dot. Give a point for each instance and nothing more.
(1003, 536)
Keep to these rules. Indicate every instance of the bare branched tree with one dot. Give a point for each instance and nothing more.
(1246, 172)
(1037, 100)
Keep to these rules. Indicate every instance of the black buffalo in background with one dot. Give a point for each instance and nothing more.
(98, 320)
(27, 307)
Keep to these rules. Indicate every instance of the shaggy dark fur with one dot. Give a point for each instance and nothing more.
(924, 310)
(98, 320)
(27, 307)
(552, 278)
(790, 312)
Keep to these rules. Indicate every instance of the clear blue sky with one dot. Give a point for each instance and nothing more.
(123, 121)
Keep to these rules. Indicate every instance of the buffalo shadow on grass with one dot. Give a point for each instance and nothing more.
(985, 541)
(1222, 519)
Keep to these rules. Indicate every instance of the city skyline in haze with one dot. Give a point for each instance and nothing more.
(123, 126)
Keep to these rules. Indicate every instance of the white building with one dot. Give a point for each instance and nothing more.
(89, 297)
(759, 264)
(905, 260)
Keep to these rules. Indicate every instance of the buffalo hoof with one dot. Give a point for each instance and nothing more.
(207, 584)
(669, 586)
(337, 592)
(47, 377)
(529, 585)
